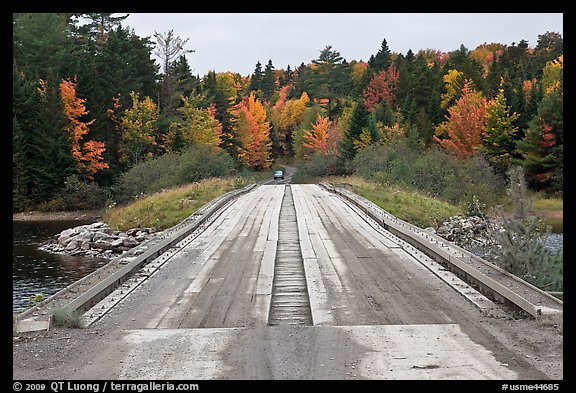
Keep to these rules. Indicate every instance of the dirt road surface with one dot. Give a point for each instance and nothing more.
(377, 313)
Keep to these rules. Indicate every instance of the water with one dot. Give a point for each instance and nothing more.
(38, 272)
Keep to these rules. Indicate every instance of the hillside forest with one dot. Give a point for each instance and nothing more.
(91, 105)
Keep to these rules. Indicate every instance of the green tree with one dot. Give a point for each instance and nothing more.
(109, 72)
(98, 25)
(268, 81)
(41, 149)
(542, 146)
(330, 77)
(381, 61)
(256, 79)
(498, 138)
(361, 131)
(41, 44)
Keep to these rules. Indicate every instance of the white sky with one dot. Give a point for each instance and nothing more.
(237, 41)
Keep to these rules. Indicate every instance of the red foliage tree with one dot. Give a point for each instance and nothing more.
(382, 87)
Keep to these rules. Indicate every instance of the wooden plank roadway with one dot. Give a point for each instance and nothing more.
(376, 311)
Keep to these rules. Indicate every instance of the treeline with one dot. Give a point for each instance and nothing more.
(90, 105)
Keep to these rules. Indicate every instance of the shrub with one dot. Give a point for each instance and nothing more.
(319, 165)
(76, 195)
(170, 170)
(433, 172)
(62, 317)
(79, 195)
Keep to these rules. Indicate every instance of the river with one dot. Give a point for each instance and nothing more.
(38, 272)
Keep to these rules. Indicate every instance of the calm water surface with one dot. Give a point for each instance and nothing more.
(38, 272)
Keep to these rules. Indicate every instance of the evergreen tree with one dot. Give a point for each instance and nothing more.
(382, 59)
(121, 65)
(542, 145)
(256, 79)
(169, 47)
(99, 25)
(331, 77)
(41, 44)
(287, 78)
(268, 81)
(361, 130)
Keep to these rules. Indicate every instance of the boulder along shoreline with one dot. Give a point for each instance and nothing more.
(97, 240)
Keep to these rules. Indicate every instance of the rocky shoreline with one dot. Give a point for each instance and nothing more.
(473, 234)
(97, 240)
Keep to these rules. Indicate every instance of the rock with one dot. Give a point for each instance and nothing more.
(116, 243)
(129, 242)
(97, 239)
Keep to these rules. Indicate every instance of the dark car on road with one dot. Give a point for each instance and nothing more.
(278, 175)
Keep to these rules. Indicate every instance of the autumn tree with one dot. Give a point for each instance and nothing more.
(197, 126)
(543, 143)
(87, 154)
(286, 117)
(254, 133)
(41, 158)
(323, 138)
(139, 124)
(382, 88)
(453, 83)
(465, 123)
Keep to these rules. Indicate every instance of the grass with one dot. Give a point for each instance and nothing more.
(167, 208)
(409, 206)
(61, 317)
(549, 209)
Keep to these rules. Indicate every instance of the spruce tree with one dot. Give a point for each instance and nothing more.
(268, 81)
(382, 59)
(256, 78)
(361, 125)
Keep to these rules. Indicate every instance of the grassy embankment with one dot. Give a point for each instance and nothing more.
(167, 208)
(424, 211)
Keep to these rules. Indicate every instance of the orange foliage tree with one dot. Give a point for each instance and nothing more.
(323, 138)
(254, 132)
(88, 155)
(465, 123)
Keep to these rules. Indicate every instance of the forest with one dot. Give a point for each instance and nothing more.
(92, 108)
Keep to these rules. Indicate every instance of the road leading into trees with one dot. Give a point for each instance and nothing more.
(290, 283)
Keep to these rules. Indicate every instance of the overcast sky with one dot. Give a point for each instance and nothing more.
(237, 41)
